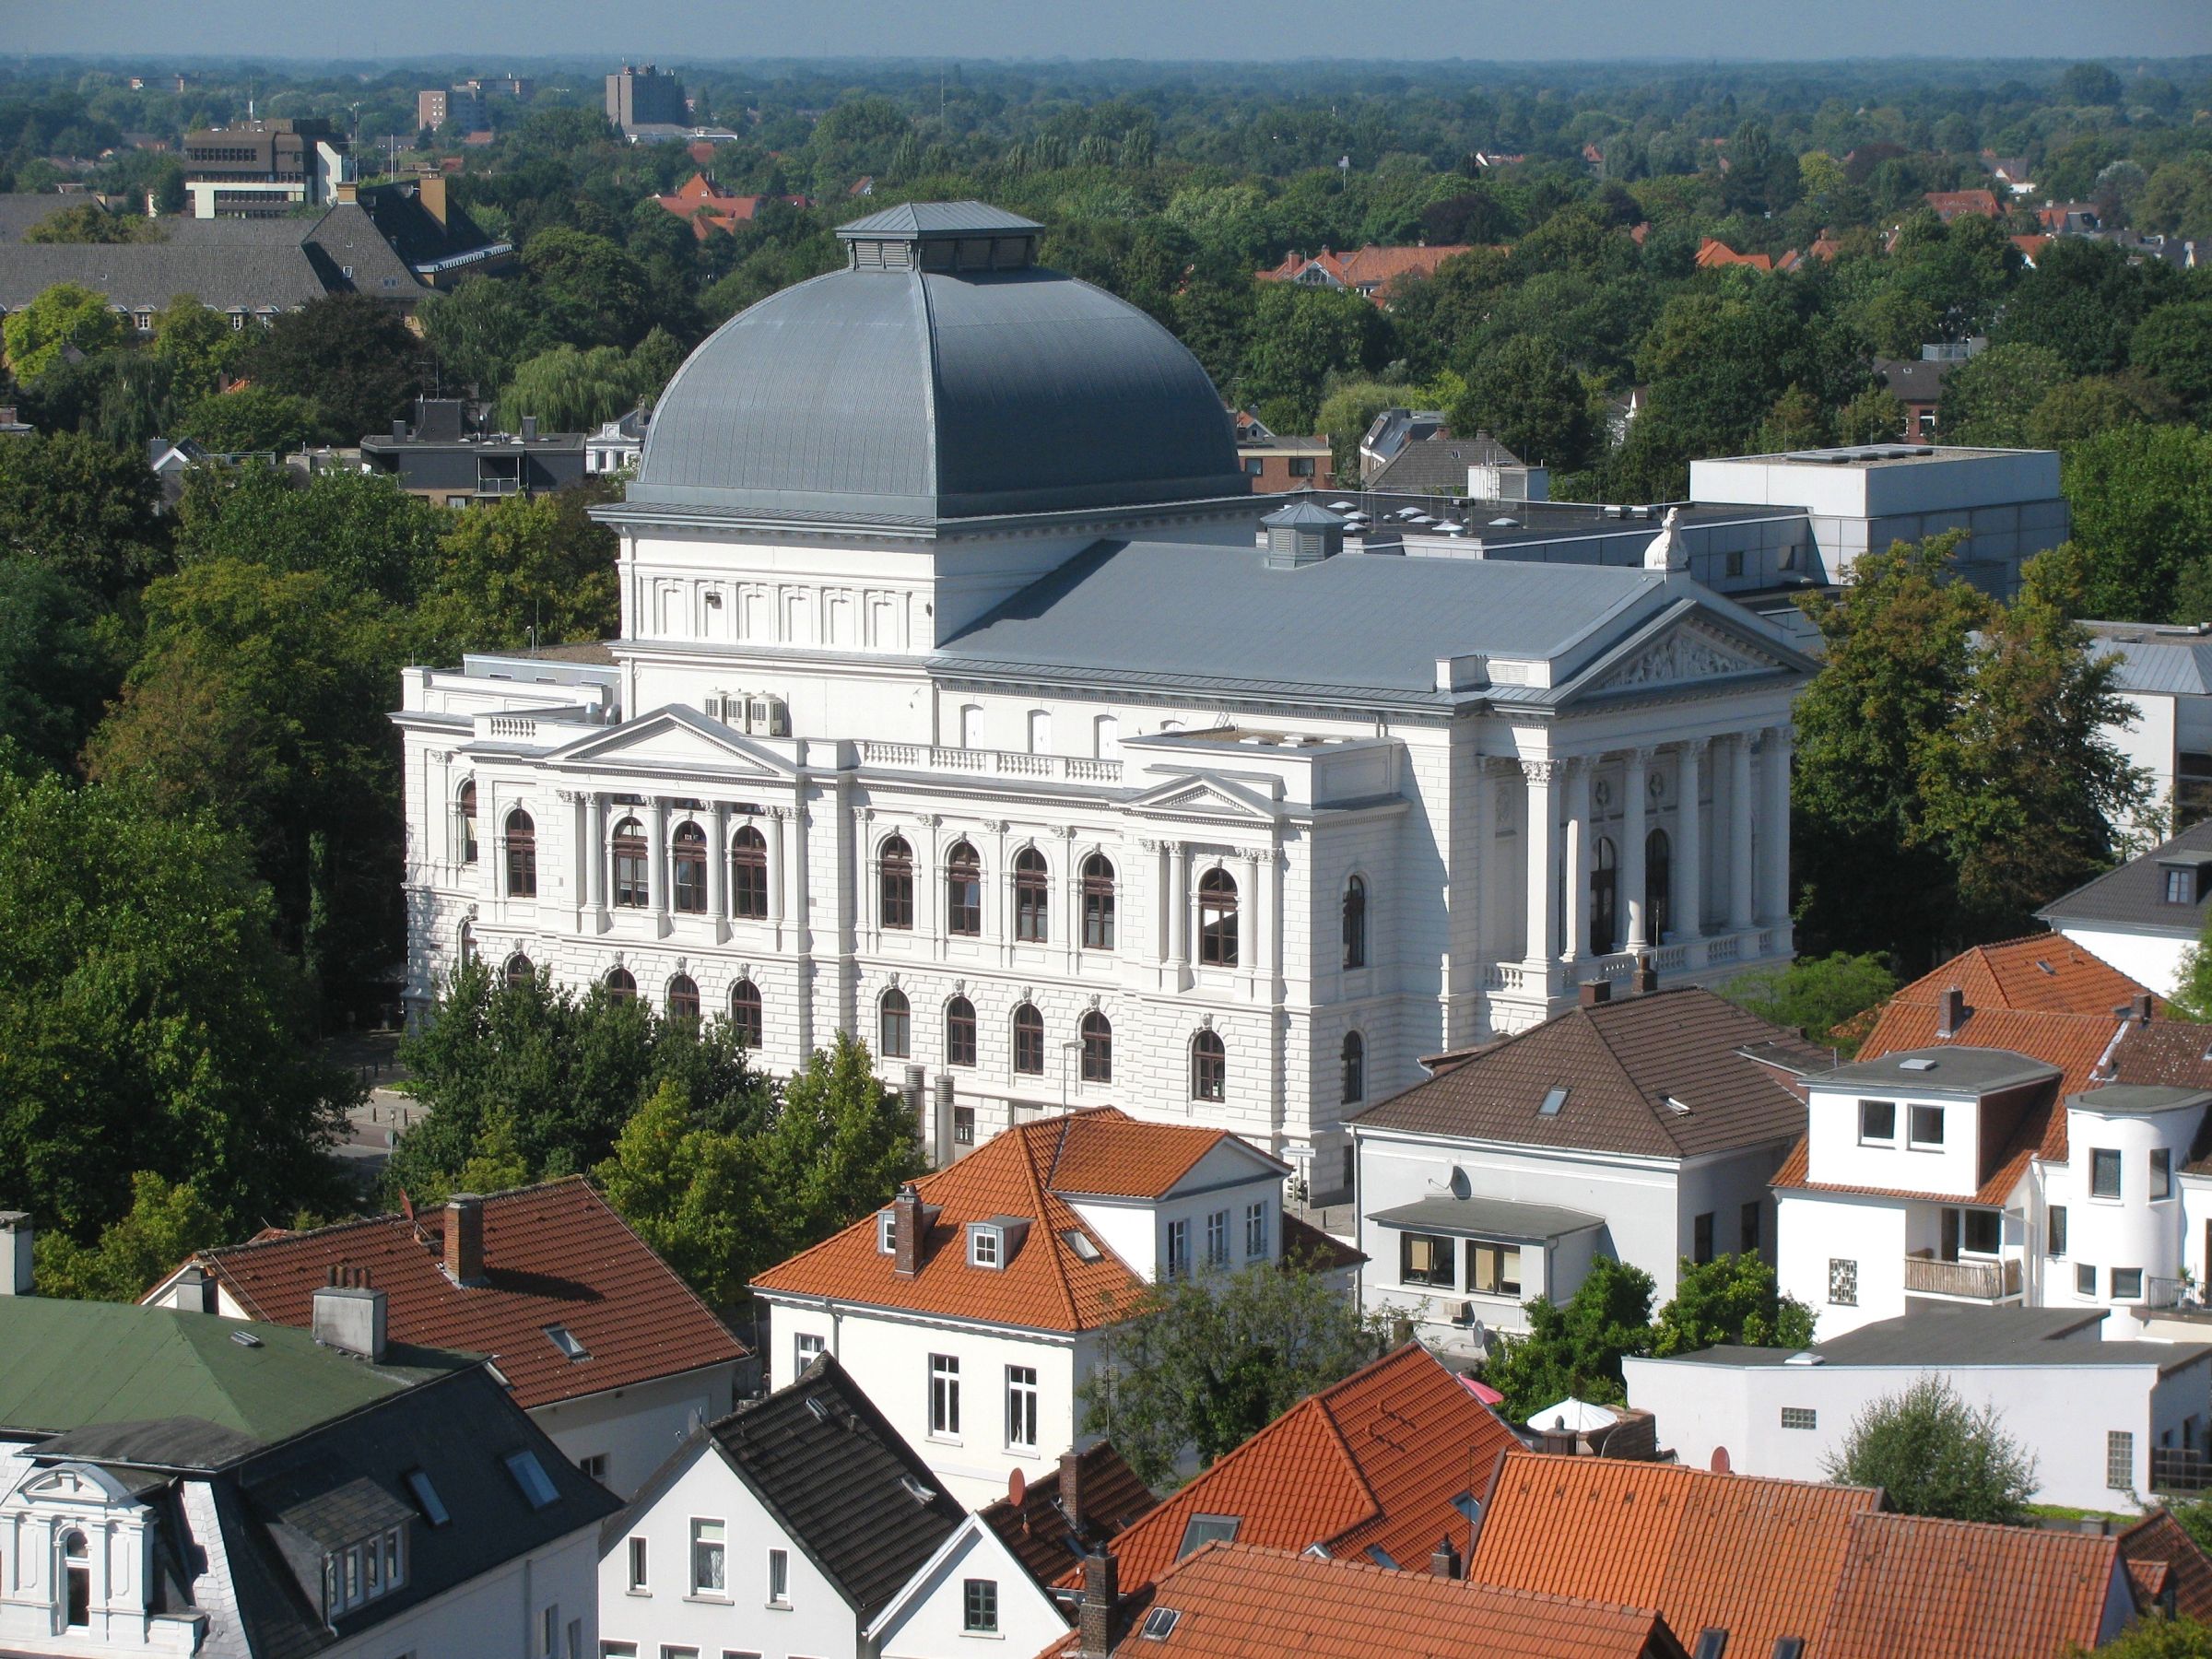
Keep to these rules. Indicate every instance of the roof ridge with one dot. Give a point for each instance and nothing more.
(1044, 1196)
(1459, 1586)
(1666, 1129)
(1691, 1472)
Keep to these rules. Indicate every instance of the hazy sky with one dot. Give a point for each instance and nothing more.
(701, 29)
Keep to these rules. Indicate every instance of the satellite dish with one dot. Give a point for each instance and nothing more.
(1017, 1487)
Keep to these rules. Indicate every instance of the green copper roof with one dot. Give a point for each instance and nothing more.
(71, 1365)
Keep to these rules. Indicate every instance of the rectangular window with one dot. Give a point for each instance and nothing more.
(779, 1578)
(2120, 1460)
(982, 1246)
(1800, 1417)
(1748, 1232)
(1255, 1229)
(963, 1125)
(2054, 1243)
(1843, 1282)
(2162, 1173)
(1701, 1238)
(2127, 1284)
(1022, 1407)
(1878, 1122)
(2180, 887)
(2104, 1172)
(943, 1395)
(1983, 1232)
(805, 1348)
(549, 1632)
(979, 1605)
(637, 1561)
(2085, 1280)
(1217, 1239)
(617, 1650)
(1425, 1258)
(1927, 1127)
(593, 1466)
(1494, 1269)
(1179, 1249)
(530, 1476)
(706, 1559)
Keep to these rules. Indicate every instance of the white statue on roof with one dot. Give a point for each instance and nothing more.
(1668, 551)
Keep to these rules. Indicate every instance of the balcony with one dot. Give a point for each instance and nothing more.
(997, 763)
(1967, 1281)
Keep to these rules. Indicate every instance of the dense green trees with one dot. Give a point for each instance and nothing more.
(351, 355)
(1815, 995)
(1933, 1454)
(65, 317)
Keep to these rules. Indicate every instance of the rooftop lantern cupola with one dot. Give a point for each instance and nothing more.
(941, 236)
(1302, 534)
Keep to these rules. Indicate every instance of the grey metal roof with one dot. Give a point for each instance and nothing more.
(1303, 513)
(1950, 1335)
(1950, 1070)
(916, 219)
(2133, 897)
(913, 397)
(2173, 662)
(1489, 1218)
(2137, 1099)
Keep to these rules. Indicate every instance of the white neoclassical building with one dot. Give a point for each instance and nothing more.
(962, 699)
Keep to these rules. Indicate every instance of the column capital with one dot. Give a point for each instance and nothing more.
(1146, 844)
(1542, 769)
(1783, 733)
(1641, 754)
(1693, 748)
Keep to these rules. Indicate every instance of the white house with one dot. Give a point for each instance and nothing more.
(961, 701)
(1645, 1128)
(617, 444)
(2146, 916)
(804, 1524)
(2164, 675)
(971, 1310)
(2095, 1413)
(175, 1483)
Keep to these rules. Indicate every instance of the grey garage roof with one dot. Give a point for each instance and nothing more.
(1948, 1069)
(1488, 1218)
(2132, 899)
(1951, 1335)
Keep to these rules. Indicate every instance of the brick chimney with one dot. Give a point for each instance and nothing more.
(15, 1254)
(2138, 1007)
(1443, 1561)
(1592, 992)
(1647, 976)
(1101, 1596)
(465, 1239)
(1950, 1012)
(1071, 1491)
(907, 1222)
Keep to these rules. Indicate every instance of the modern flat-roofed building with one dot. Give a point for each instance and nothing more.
(264, 168)
(641, 95)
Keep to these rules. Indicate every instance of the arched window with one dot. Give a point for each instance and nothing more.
(1605, 881)
(749, 876)
(1355, 1067)
(1658, 886)
(1355, 923)
(745, 1023)
(1218, 919)
(520, 973)
(620, 986)
(1028, 1041)
(1098, 1048)
(1032, 897)
(683, 997)
(687, 869)
(960, 1032)
(468, 942)
(894, 1025)
(1209, 1067)
(895, 884)
(467, 809)
(963, 892)
(633, 883)
(1098, 902)
(521, 856)
(78, 1563)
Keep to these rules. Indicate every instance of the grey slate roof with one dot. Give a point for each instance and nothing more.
(1948, 1070)
(1914, 380)
(1439, 463)
(1944, 1334)
(1489, 1218)
(837, 1482)
(2132, 899)
(911, 396)
(1213, 616)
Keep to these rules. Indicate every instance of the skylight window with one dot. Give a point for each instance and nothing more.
(1159, 1624)
(1553, 1100)
(819, 1406)
(1467, 1504)
(426, 1498)
(1202, 1530)
(571, 1344)
(916, 1489)
(245, 1340)
(530, 1476)
(1079, 1241)
(1920, 1064)
(1380, 1556)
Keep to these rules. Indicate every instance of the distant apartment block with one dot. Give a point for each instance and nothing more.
(642, 95)
(264, 168)
(453, 109)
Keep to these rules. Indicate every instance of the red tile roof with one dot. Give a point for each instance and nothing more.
(1757, 1558)
(1372, 268)
(2042, 972)
(1036, 1527)
(1372, 1463)
(1917, 1588)
(1234, 1601)
(1713, 253)
(2158, 1540)
(553, 1254)
(1046, 1285)
(1950, 204)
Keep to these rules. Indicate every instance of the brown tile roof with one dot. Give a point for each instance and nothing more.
(2158, 1540)
(554, 1254)
(1035, 1529)
(1371, 267)
(1045, 1285)
(1949, 204)
(1713, 253)
(1757, 1558)
(1917, 1588)
(1620, 1062)
(2042, 972)
(1235, 1601)
(1372, 1463)
(1315, 1251)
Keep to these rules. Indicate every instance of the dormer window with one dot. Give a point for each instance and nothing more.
(886, 1233)
(1927, 1127)
(2182, 883)
(986, 1246)
(364, 1570)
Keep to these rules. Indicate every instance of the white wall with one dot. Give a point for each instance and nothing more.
(1814, 1230)
(929, 1619)
(636, 1429)
(1837, 1156)
(2150, 959)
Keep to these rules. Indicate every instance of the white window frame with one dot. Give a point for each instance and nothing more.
(1255, 1231)
(1217, 1239)
(779, 1578)
(1022, 1407)
(1914, 1140)
(986, 1246)
(806, 1346)
(1179, 1250)
(721, 1547)
(1866, 1139)
(638, 1566)
(944, 1398)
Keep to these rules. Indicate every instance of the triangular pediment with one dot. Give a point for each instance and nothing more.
(672, 740)
(1683, 653)
(1205, 795)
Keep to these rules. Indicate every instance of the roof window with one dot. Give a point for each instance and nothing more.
(571, 1344)
(531, 1477)
(986, 1245)
(1080, 1243)
(1919, 1064)
(1202, 1530)
(886, 1237)
(916, 1489)
(1380, 1556)
(425, 1497)
(1553, 1100)
(1712, 1641)
(1159, 1624)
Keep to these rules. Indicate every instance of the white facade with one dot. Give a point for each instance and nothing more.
(929, 1619)
(624, 1434)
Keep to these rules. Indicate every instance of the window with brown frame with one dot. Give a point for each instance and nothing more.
(683, 997)
(1354, 924)
(747, 1021)
(1098, 902)
(749, 876)
(633, 884)
(1218, 919)
(895, 884)
(1032, 897)
(620, 986)
(960, 1032)
(1209, 1067)
(521, 856)
(688, 859)
(963, 892)
(894, 1025)
(467, 806)
(1028, 1041)
(1098, 1048)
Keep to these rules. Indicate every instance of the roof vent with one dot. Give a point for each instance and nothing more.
(1918, 1064)
(916, 1489)
(1301, 534)
(1805, 1357)
(245, 1340)
(819, 1406)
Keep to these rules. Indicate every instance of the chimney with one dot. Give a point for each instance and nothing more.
(195, 1291)
(1951, 1012)
(1647, 976)
(345, 191)
(2138, 1007)
(1592, 992)
(1071, 1491)
(1443, 1561)
(916, 1095)
(945, 1089)
(529, 427)
(15, 1254)
(350, 1320)
(431, 192)
(1101, 1595)
(399, 430)
(465, 1239)
(907, 1222)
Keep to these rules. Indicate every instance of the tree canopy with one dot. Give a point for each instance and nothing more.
(1934, 1454)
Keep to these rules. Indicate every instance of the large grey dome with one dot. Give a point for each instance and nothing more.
(941, 375)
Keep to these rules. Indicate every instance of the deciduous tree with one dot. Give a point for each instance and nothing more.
(67, 315)
(164, 1225)
(1575, 1349)
(1814, 996)
(1732, 1298)
(347, 354)
(1934, 1454)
